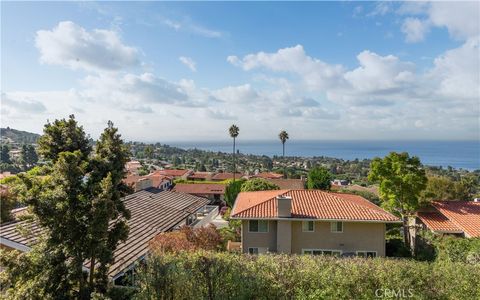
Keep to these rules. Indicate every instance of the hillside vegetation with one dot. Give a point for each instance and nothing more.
(18, 136)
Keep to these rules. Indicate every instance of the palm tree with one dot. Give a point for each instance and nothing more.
(233, 130)
(283, 138)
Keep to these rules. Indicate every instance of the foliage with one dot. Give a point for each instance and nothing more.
(401, 179)
(187, 239)
(441, 188)
(63, 136)
(29, 156)
(258, 184)
(319, 178)
(75, 201)
(5, 155)
(365, 194)
(232, 189)
(207, 275)
(7, 203)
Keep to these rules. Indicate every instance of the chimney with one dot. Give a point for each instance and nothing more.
(284, 206)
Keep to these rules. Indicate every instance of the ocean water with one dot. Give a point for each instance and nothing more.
(458, 154)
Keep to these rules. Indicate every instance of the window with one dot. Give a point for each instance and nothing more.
(367, 253)
(308, 226)
(322, 252)
(252, 250)
(258, 226)
(336, 227)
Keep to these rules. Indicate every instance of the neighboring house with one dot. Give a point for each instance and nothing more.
(139, 183)
(311, 222)
(225, 176)
(152, 212)
(340, 182)
(174, 173)
(289, 184)
(213, 191)
(267, 175)
(133, 166)
(200, 176)
(461, 218)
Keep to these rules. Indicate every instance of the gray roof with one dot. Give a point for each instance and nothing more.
(152, 212)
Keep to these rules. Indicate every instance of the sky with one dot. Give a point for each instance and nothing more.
(186, 71)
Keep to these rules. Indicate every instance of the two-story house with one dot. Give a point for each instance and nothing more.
(311, 222)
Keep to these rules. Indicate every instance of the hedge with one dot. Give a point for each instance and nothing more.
(208, 275)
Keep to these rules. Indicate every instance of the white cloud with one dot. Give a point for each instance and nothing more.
(189, 62)
(462, 19)
(415, 29)
(73, 46)
(379, 73)
(316, 73)
(237, 94)
(20, 107)
(189, 26)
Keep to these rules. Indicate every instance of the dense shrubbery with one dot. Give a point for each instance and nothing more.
(206, 275)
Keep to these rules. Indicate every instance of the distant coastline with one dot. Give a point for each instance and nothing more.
(457, 154)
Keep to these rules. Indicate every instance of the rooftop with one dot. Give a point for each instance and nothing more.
(200, 188)
(310, 204)
(463, 214)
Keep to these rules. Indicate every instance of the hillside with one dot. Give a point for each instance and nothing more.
(18, 136)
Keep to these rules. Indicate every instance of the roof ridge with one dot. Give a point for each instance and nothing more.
(263, 201)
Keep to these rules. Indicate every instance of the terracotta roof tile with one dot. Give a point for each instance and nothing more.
(435, 221)
(268, 175)
(464, 214)
(225, 176)
(310, 204)
(288, 184)
(200, 188)
(171, 172)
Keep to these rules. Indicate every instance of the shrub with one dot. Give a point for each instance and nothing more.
(209, 275)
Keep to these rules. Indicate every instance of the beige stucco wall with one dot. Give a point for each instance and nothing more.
(260, 239)
(356, 236)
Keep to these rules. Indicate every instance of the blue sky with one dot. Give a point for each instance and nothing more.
(187, 70)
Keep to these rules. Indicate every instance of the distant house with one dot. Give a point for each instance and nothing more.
(154, 180)
(174, 173)
(152, 212)
(133, 166)
(267, 175)
(340, 182)
(460, 218)
(289, 184)
(213, 191)
(225, 176)
(200, 176)
(311, 222)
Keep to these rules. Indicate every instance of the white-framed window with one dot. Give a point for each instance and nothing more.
(253, 250)
(367, 254)
(336, 227)
(322, 252)
(308, 226)
(257, 226)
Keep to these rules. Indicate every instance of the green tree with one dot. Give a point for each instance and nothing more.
(234, 131)
(78, 203)
(29, 156)
(402, 180)
(258, 184)
(319, 178)
(232, 189)
(441, 188)
(283, 138)
(62, 136)
(149, 151)
(5, 154)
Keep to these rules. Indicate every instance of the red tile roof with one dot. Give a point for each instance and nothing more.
(200, 175)
(435, 221)
(464, 214)
(268, 175)
(200, 188)
(225, 176)
(310, 204)
(288, 184)
(171, 172)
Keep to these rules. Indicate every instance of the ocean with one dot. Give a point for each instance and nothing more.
(457, 154)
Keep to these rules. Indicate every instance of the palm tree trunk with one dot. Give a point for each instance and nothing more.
(234, 169)
(284, 170)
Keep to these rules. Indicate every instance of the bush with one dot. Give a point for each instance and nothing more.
(208, 275)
